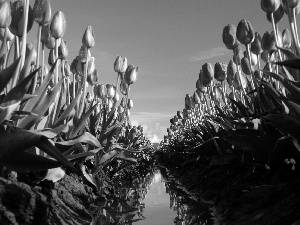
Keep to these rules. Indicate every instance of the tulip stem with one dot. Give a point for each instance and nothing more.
(83, 85)
(56, 57)
(292, 26)
(118, 77)
(37, 58)
(43, 63)
(24, 39)
(276, 34)
(295, 25)
(74, 85)
(253, 81)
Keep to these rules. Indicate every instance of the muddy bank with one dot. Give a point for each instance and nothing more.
(68, 201)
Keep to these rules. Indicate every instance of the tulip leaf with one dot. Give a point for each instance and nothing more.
(68, 110)
(86, 137)
(7, 74)
(293, 63)
(288, 53)
(7, 111)
(81, 122)
(16, 94)
(28, 162)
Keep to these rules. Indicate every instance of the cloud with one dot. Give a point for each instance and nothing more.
(209, 54)
(155, 139)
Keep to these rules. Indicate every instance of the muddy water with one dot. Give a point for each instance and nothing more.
(157, 204)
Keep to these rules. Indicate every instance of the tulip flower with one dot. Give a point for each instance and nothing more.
(229, 36)
(51, 58)
(245, 32)
(277, 15)
(17, 23)
(110, 91)
(91, 66)
(92, 78)
(286, 38)
(45, 34)
(231, 71)
(269, 6)
(63, 50)
(58, 25)
(42, 11)
(237, 55)
(120, 64)
(5, 15)
(9, 35)
(206, 74)
(293, 3)
(123, 87)
(79, 67)
(67, 69)
(88, 38)
(268, 42)
(256, 44)
(246, 66)
(220, 71)
(200, 87)
(130, 75)
(129, 104)
(84, 54)
(196, 98)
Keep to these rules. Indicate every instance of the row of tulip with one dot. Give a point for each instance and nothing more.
(47, 117)
(244, 106)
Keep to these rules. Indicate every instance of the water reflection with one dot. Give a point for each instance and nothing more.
(151, 200)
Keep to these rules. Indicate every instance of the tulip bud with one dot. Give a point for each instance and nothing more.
(45, 34)
(84, 53)
(50, 44)
(286, 38)
(92, 78)
(120, 64)
(130, 104)
(58, 25)
(217, 92)
(79, 67)
(88, 39)
(130, 75)
(268, 42)
(74, 65)
(206, 74)
(229, 36)
(120, 109)
(269, 6)
(236, 81)
(245, 66)
(265, 56)
(110, 91)
(30, 53)
(103, 91)
(231, 70)
(67, 69)
(9, 35)
(245, 32)
(62, 50)
(220, 71)
(51, 58)
(254, 59)
(5, 15)
(116, 98)
(200, 87)
(91, 66)
(179, 114)
(196, 98)
(187, 101)
(237, 55)
(42, 11)
(293, 3)
(277, 15)
(17, 20)
(256, 44)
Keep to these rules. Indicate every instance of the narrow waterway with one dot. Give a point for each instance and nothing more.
(157, 204)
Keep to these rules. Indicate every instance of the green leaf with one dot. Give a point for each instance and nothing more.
(86, 137)
(68, 110)
(16, 94)
(28, 162)
(81, 121)
(41, 109)
(293, 63)
(7, 111)
(7, 74)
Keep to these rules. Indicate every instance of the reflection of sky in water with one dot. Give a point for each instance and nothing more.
(157, 203)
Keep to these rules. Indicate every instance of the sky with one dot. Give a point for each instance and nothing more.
(169, 41)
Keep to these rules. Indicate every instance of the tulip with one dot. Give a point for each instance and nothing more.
(58, 25)
(116, 98)
(268, 42)
(236, 82)
(84, 54)
(130, 75)
(129, 103)
(42, 11)
(67, 69)
(269, 6)
(187, 101)
(245, 32)
(293, 3)
(277, 15)
(17, 23)
(200, 87)
(196, 98)
(123, 87)
(120, 64)
(237, 55)
(110, 91)
(265, 56)
(79, 67)
(231, 71)
(217, 92)
(5, 15)
(88, 39)
(256, 44)
(92, 78)
(45, 34)
(286, 38)
(229, 36)
(63, 50)
(220, 71)
(91, 66)
(246, 66)
(120, 109)
(206, 74)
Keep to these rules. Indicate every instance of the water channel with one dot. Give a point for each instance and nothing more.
(150, 201)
